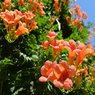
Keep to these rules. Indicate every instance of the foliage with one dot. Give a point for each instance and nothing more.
(28, 40)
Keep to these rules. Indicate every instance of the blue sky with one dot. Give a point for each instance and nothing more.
(89, 7)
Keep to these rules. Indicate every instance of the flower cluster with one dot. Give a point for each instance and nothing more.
(79, 13)
(61, 74)
(18, 23)
(57, 45)
(36, 6)
(74, 49)
(79, 51)
(57, 4)
(77, 17)
(91, 33)
(7, 4)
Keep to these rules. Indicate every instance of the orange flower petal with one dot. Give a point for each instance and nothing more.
(43, 79)
(58, 84)
(80, 56)
(68, 84)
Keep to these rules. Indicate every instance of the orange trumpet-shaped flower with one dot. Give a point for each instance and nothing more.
(7, 16)
(41, 6)
(84, 16)
(37, 6)
(11, 17)
(68, 84)
(45, 45)
(21, 29)
(76, 22)
(84, 71)
(72, 50)
(6, 4)
(71, 71)
(57, 49)
(42, 12)
(28, 16)
(33, 25)
(57, 45)
(77, 8)
(89, 50)
(72, 44)
(21, 2)
(52, 34)
(56, 5)
(66, 2)
(80, 56)
(80, 45)
(64, 81)
(68, 19)
(47, 70)
(71, 55)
